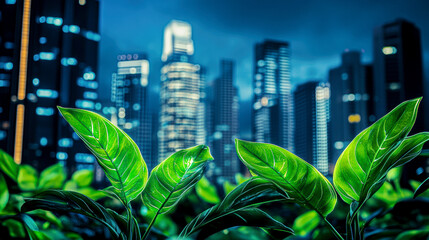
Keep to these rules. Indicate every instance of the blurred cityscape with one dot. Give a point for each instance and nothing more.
(49, 57)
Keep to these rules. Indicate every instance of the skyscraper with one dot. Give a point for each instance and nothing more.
(398, 76)
(348, 102)
(272, 114)
(56, 63)
(129, 96)
(311, 123)
(398, 73)
(182, 107)
(7, 48)
(225, 123)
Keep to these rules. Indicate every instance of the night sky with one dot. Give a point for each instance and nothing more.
(318, 31)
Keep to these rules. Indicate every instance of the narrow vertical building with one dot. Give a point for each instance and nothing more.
(56, 63)
(311, 124)
(181, 123)
(272, 114)
(349, 98)
(398, 76)
(225, 123)
(129, 96)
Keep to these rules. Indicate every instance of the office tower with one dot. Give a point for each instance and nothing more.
(398, 73)
(369, 85)
(311, 123)
(225, 123)
(181, 122)
(272, 113)
(398, 76)
(56, 57)
(129, 96)
(348, 102)
(7, 48)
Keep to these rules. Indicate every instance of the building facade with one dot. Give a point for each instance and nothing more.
(225, 123)
(349, 114)
(129, 96)
(181, 123)
(272, 112)
(311, 124)
(56, 63)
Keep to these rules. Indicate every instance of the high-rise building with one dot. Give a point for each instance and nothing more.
(272, 113)
(56, 63)
(348, 102)
(225, 123)
(7, 49)
(129, 96)
(311, 124)
(181, 122)
(398, 76)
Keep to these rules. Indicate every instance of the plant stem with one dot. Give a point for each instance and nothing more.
(146, 233)
(333, 230)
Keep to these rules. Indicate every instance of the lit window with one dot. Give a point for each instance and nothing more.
(4, 83)
(65, 142)
(354, 118)
(43, 141)
(89, 76)
(42, 40)
(74, 29)
(90, 95)
(47, 93)
(43, 111)
(36, 81)
(62, 155)
(339, 145)
(389, 50)
(84, 158)
(264, 101)
(84, 104)
(394, 86)
(47, 56)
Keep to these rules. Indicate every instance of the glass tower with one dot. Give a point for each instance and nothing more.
(272, 115)
(311, 122)
(56, 63)
(181, 122)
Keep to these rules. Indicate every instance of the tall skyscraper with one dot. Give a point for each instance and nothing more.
(7, 48)
(398, 73)
(181, 122)
(272, 113)
(225, 123)
(311, 124)
(56, 63)
(349, 98)
(129, 96)
(398, 76)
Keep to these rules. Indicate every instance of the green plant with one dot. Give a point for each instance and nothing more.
(278, 177)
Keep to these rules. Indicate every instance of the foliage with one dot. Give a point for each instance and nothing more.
(375, 204)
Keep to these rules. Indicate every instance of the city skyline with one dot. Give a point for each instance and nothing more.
(317, 32)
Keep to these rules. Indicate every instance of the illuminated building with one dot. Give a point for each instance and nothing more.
(129, 96)
(7, 64)
(56, 64)
(225, 123)
(272, 113)
(348, 102)
(181, 123)
(398, 76)
(311, 124)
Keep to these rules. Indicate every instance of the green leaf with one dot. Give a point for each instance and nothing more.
(28, 178)
(4, 193)
(250, 194)
(173, 177)
(64, 201)
(422, 188)
(115, 151)
(52, 177)
(228, 187)
(247, 217)
(206, 191)
(15, 228)
(48, 216)
(239, 178)
(8, 165)
(83, 178)
(413, 234)
(300, 180)
(306, 223)
(362, 167)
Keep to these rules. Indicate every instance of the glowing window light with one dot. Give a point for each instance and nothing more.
(65, 142)
(43, 111)
(86, 84)
(354, 118)
(74, 29)
(36, 81)
(42, 19)
(62, 155)
(84, 104)
(47, 56)
(90, 95)
(264, 101)
(43, 141)
(84, 158)
(42, 40)
(47, 93)
(65, 28)
(89, 76)
(4, 83)
(389, 50)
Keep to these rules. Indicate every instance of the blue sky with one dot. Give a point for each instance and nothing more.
(318, 31)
